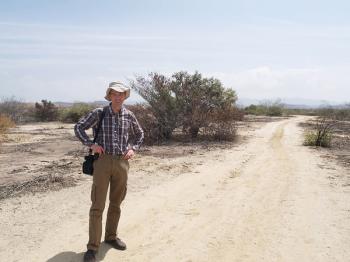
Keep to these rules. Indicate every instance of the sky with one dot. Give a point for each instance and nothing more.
(69, 50)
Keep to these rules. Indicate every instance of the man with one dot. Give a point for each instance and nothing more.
(111, 168)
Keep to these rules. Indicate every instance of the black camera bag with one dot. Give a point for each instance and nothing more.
(88, 164)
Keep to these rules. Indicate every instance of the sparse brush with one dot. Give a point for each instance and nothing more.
(222, 131)
(222, 124)
(15, 109)
(150, 125)
(322, 133)
(5, 123)
(74, 113)
(267, 108)
(315, 139)
(45, 111)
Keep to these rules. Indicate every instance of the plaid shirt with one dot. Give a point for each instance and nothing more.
(114, 133)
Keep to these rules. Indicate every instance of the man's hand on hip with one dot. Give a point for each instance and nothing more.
(97, 149)
(129, 154)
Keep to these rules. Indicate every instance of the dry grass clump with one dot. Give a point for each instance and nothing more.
(5, 123)
(321, 133)
(222, 131)
(313, 138)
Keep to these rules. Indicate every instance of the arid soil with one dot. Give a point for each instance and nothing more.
(340, 145)
(47, 156)
(263, 198)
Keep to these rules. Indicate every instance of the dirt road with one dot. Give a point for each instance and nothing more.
(270, 199)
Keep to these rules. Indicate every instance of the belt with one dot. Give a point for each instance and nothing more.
(117, 156)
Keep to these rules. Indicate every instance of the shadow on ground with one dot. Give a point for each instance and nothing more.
(70, 256)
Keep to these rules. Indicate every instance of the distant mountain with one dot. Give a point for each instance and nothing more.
(68, 104)
(95, 103)
(242, 102)
(292, 102)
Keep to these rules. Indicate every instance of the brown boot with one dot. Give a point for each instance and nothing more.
(117, 244)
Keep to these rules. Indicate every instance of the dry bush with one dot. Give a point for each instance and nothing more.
(5, 123)
(341, 114)
(222, 124)
(45, 111)
(221, 131)
(321, 135)
(15, 109)
(148, 122)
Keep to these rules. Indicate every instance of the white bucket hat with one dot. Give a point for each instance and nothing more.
(119, 87)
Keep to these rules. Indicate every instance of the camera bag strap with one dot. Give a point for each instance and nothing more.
(98, 127)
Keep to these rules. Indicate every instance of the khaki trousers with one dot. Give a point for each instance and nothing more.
(108, 170)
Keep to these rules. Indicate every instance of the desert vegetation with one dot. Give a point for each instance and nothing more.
(341, 113)
(189, 102)
(73, 113)
(266, 108)
(328, 120)
(321, 133)
(329, 128)
(5, 123)
(45, 111)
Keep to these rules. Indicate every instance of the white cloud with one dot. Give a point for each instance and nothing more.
(310, 83)
(258, 61)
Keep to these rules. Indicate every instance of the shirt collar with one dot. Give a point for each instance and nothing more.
(122, 110)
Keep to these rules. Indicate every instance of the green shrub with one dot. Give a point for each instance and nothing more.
(155, 90)
(183, 100)
(196, 97)
(321, 134)
(267, 108)
(75, 112)
(274, 110)
(313, 138)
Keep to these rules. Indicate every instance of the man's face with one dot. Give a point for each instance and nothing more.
(117, 97)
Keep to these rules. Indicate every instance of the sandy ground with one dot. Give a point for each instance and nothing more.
(267, 199)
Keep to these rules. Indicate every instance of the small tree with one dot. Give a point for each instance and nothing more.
(196, 97)
(183, 100)
(46, 111)
(155, 89)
